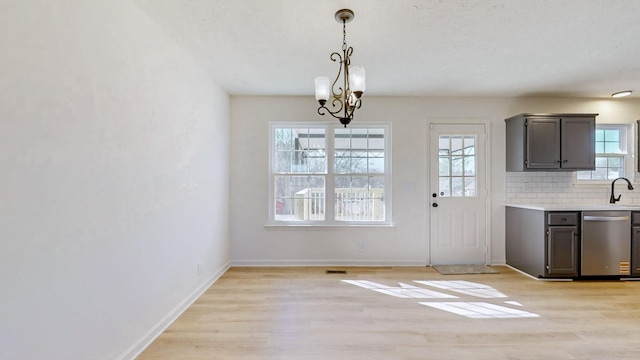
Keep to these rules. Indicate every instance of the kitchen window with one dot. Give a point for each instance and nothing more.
(614, 154)
(323, 174)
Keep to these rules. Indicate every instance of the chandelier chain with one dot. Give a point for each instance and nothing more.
(344, 35)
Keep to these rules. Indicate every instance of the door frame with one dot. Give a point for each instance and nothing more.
(427, 176)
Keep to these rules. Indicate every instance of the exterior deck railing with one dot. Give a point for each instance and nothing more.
(354, 204)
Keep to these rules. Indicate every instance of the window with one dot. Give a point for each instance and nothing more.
(614, 150)
(457, 165)
(326, 175)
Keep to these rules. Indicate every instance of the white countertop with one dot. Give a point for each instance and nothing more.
(576, 207)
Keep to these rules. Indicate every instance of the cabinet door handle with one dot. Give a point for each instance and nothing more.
(605, 218)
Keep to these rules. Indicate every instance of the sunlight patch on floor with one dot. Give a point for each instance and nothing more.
(480, 310)
(475, 310)
(403, 291)
(465, 287)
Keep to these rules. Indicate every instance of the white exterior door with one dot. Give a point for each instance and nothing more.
(457, 194)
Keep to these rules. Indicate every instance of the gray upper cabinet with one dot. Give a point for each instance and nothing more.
(542, 143)
(548, 142)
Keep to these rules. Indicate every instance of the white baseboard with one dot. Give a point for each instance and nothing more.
(138, 347)
(359, 262)
(325, 262)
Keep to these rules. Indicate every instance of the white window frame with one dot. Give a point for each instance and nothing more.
(629, 164)
(330, 176)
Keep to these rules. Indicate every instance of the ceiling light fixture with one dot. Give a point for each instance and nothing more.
(347, 97)
(621, 94)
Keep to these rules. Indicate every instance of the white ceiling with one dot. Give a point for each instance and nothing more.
(587, 48)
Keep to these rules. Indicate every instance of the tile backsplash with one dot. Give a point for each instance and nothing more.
(560, 188)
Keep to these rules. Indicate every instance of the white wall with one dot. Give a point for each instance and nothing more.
(406, 243)
(113, 179)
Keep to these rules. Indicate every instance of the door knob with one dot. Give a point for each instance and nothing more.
(434, 205)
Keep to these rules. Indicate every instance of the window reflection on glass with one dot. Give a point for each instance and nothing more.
(457, 165)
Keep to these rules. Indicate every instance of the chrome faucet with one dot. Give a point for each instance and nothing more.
(612, 198)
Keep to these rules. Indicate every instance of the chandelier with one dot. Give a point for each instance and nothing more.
(346, 99)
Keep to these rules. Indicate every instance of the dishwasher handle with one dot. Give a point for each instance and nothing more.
(605, 218)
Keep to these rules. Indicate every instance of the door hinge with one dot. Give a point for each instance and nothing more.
(526, 122)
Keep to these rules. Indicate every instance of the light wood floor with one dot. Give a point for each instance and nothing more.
(304, 313)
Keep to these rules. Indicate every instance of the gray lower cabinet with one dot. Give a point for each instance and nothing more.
(550, 142)
(543, 243)
(635, 244)
(562, 250)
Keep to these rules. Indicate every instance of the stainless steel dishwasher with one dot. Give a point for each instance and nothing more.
(606, 243)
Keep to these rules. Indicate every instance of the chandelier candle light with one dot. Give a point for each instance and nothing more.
(347, 98)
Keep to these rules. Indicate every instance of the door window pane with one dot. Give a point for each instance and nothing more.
(470, 186)
(457, 165)
(443, 168)
(444, 186)
(469, 165)
(457, 187)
